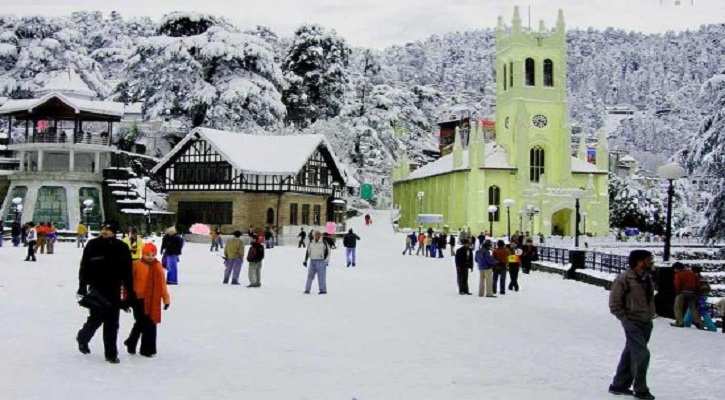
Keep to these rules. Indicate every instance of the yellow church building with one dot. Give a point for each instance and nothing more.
(525, 174)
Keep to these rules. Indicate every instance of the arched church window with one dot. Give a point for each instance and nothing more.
(530, 69)
(536, 163)
(494, 199)
(548, 73)
(511, 74)
(505, 77)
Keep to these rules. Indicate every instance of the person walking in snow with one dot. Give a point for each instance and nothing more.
(255, 255)
(31, 238)
(318, 254)
(686, 287)
(501, 253)
(452, 243)
(464, 264)
(631, 300)
(171, 245)
(302, 236)
(410, 241)
(350, 242)
(233, 253)
(81, 235)
(485, 262)
(514, 266)
(268, 238)
(15, 231)
(106, 268)
(421, 244)
(442, 242)
(135, 244)
(529, 255)
(149, 287)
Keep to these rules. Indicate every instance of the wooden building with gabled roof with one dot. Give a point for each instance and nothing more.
(236, 180)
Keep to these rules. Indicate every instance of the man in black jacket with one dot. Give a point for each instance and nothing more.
(106, 268)
(350, 242)
(464, 263)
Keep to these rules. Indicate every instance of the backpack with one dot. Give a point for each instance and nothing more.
(251, 254)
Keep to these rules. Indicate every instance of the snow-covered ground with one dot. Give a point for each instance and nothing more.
(394, 327)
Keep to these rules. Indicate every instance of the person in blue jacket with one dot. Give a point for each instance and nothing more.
(485, 262)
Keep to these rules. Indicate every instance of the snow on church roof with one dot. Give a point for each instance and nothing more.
(496, 158)
(258, 154)
(580, 166)
(96, 107)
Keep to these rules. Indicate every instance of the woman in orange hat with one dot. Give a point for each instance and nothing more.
(149, 285)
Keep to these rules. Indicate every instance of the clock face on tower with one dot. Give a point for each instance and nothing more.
(539, 121)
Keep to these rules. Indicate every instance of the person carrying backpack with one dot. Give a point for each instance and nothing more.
(318, 253)
(350, 242)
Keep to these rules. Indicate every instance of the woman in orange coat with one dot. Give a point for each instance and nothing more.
(149, 284)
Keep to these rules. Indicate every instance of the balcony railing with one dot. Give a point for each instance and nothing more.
(81, 138)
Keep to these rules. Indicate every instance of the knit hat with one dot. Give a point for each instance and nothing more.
(149, 248)
(678, 265)
(171, 231)
(111, 225)
(636, 256)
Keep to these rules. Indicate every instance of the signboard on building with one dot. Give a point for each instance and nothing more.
(592, 156)
(366, 191)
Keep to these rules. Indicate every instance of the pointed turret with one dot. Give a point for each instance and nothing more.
(582, 152)
(602, 151)
(457, 149)
(517, 20)
(560, 25)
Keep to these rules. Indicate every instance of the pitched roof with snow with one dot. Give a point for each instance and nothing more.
(579, 166)
(68, 83)
(258, 154)
(496, 158)
(79, 105)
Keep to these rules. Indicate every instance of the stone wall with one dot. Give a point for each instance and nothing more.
(250, 209)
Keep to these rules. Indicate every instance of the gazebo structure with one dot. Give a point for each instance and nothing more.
(63, 142)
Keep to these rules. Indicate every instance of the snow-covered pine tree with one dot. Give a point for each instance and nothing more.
(707, 153)
(209, 74)
(315, 70)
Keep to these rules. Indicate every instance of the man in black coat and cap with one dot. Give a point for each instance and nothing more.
(464, 264)
(106, 267)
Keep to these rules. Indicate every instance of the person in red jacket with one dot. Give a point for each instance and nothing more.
(149, 286)
(686, 285)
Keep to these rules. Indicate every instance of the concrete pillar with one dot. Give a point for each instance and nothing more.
(97, 165)
(40, 160)
(71, 160)
(22, 161)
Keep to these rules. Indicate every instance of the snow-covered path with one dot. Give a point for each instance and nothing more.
(394, 327)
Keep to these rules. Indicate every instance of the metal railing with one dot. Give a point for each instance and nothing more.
(84, 138)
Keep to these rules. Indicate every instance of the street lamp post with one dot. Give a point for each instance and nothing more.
(17, 207)
(531, 210)
(146, 181)
(670, 172)
(578, 194)
(420, 201)
(521, 221)
(87, 208)
(508, 203)
(148, 205)
(584, 223)
(491, 212)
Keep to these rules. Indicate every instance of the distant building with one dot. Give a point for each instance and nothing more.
(237, 180)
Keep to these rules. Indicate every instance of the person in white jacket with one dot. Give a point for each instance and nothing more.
(31, 238)
(318, 253)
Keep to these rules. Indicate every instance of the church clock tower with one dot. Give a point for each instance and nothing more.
(532, 121)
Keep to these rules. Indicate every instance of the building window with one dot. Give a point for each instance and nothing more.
(494, 199)
(530, 72)
(548, 73)
(305, 214)
(270, 216)
(293, 214)
(302, 178)
(505, 77)
(317, 210)
(201, 173)
(511, 74)
(205, 212)
(537, 163)
(324, 176)
(312, 176)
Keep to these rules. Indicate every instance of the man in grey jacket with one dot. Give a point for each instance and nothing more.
(318, 252)
(631, 300)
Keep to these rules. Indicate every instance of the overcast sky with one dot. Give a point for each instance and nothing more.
(381, 23)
